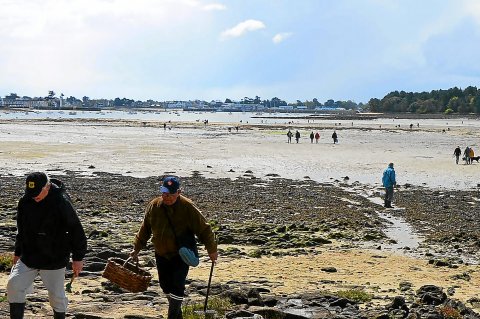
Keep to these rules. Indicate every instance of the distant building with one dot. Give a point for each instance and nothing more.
(285, 107)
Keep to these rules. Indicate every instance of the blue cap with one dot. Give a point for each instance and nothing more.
(170, 185)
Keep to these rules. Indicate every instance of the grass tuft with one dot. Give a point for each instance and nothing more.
(450, 313)
(6, 261)
(358, 296)
(220, 305)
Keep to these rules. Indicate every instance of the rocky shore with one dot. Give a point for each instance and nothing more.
(269, 218)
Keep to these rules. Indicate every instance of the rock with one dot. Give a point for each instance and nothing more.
(90, 316)
(329, 269)
(94, 266)
(431, 295)
(236, 296)
(242, 314)
(340, 302)
(405, 286)
(274, 313)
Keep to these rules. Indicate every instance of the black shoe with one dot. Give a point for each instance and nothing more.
(17, 310)
(58, 315)
(174, 308)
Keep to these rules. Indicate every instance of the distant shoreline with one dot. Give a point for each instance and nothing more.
(270, 114)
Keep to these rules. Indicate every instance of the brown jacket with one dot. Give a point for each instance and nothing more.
(184, 216)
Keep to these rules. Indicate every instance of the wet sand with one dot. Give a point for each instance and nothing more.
(422, 156)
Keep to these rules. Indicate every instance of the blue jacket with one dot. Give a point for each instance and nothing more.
(388, 178)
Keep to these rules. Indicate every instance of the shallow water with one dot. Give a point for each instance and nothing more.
(401, 232)
(236, 118)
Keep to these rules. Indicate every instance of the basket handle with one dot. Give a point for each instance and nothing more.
(128, 259)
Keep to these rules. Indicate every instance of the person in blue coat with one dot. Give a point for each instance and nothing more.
(389, 181)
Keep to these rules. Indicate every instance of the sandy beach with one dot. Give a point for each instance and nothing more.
(422, 156)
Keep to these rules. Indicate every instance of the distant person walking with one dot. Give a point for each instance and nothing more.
(471, 155)
(457, 152)
(466, 155)
(389, 181)
(317, 137)
(297, 136)
(289, 135)
(335, 137)
(312, 136)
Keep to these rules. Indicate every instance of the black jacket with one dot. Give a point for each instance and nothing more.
(48, 231)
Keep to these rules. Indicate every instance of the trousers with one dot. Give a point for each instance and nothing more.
(389, 193)
(172, 275)
(21, 279)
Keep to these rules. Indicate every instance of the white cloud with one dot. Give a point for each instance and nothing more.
(472, 7)
(64, 43)
(214, 7)
(279, 37)
(242, 28)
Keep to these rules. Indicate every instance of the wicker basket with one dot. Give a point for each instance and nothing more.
(127, 275)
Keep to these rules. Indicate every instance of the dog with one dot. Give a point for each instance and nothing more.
(475, 158)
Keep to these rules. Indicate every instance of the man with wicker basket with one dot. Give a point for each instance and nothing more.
(48, 231)
(173, 221)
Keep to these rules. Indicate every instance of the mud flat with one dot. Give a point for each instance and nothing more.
(294, 221)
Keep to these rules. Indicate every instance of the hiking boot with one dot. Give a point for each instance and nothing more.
(174, 308)
(17, 310)
(388, 204)
(58, 315)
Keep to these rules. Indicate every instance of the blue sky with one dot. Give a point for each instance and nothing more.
(201, 49)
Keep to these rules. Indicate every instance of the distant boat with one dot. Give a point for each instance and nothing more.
(72, 113)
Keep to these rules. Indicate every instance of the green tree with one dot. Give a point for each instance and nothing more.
(427, 106)
(476, 104)
(330, 103)
(276, 102)
(390, 104)
(454, 103)
(12, 96)
(374, 105)
(463, 108)
(247, 100)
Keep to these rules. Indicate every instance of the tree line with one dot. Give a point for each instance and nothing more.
(311, 105)
(453, 100)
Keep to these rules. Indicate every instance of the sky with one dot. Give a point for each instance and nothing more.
(218, 49)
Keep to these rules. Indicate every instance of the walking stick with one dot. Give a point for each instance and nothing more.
(208, 287)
